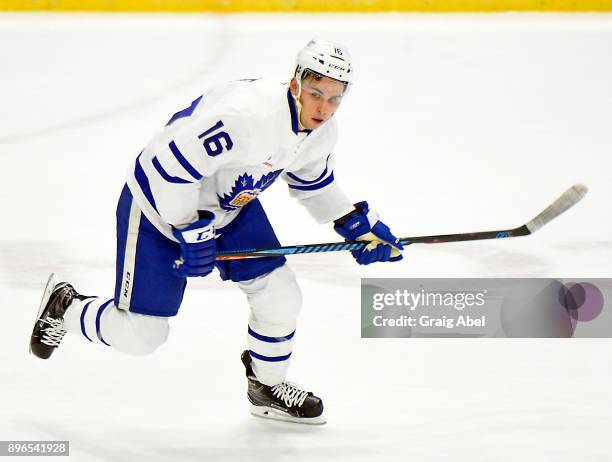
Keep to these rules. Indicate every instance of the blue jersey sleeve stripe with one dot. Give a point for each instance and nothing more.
(83, 319)
(185, 112)
(320, 185)
(98, 316)
(300, 180)
(272, 359)
(183, 161)
(143, 182)
(264, 338)
(165, 175)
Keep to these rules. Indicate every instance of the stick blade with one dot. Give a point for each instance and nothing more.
(568, 199)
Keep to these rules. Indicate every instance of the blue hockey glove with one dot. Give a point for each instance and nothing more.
(363, 224)
(198, 247)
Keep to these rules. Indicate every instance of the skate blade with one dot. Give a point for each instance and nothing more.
(274, 414)
(51, 283)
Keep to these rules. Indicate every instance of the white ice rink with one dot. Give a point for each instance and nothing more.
(455, 123)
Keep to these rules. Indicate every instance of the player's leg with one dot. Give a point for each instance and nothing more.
(271, 289)
(135, 320)
(275, 300)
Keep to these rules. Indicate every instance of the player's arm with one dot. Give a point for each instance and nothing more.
(315, 187)
(312, 181)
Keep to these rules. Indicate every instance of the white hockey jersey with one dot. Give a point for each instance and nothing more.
(231, 144)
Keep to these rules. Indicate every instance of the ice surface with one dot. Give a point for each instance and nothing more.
(455, 123)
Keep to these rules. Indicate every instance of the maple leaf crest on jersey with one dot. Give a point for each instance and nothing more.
(246, 189)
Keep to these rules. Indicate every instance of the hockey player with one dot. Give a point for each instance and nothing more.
(193, 191)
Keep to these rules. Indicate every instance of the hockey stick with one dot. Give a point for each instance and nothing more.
(569, 198)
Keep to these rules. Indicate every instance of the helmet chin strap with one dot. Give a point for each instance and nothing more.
(299, 104)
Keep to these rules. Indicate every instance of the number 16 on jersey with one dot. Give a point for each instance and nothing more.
(215, 142)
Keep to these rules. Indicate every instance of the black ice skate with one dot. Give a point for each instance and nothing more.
(284, 401)
(49, 329)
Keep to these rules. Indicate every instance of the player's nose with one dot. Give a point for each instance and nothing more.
(324, 109)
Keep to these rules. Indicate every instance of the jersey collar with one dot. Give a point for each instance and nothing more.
(293, 110)
(295, 125)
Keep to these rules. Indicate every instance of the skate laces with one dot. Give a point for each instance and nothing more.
(289, 393)
(53, 334)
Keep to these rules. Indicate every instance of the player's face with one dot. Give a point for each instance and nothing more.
(319, 99)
